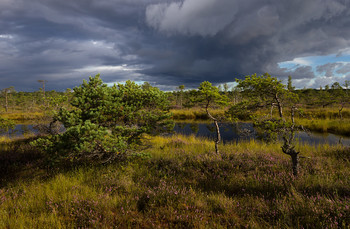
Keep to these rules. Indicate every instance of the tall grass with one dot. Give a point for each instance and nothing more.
(179, 182)
(341, 127)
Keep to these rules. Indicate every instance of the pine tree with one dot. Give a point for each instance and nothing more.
(107, 122)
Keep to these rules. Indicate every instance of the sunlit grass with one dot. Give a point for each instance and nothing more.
(196, 113)
(341, 127)
(12, 139)
(20, 116)
(180, 182)
(5, 139)
(326, 113)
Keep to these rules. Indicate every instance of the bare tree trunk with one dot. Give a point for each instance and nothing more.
(340, 111)
(279, 105)
(288, 146)
(272, 105)
(218, 136)
(292, 114)
(280, 110)
(295, 163)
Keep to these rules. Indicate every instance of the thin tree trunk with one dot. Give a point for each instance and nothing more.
(279, 105)
(218, 136)
(292, 115)
(295, 163)
(6, 102)
(288, 146)
(340, 111)
(272, 105)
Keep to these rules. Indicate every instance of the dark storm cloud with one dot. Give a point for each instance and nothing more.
(165, 42)
(60, 40)
(253, 36)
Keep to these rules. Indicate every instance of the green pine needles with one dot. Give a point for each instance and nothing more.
(107, 122)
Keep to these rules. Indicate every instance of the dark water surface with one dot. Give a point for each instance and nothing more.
(20, 130)
(245, 131)
(229, 133)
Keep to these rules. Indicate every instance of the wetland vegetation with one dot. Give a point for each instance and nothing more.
(116, 166)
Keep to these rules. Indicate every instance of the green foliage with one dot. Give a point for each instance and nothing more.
(265, 90)
(268, 130)
(261, 92)
(240, 111)
(5, 93)
(226, 87)
(182, 87)
(107, 121)
(6, 124)
(289, 84)
(190, 98)
(210, 95)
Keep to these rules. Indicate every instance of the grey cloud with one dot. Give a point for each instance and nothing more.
(54, 40)
(328, 69)
(322, 81)
(344, 69)
(166, 42)
(262, 34)
(191, 17)
(299, 72)
(303, 72)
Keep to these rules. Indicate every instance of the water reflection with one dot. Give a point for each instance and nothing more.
(30, 129)
(20, 130)
(229, 133)
(245, 131)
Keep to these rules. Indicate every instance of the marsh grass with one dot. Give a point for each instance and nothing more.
(331, 113)
(24, 116)
(326, 113)
(195, 114)
(179, 182)
(340, 127)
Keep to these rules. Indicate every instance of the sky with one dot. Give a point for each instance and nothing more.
(172, 42)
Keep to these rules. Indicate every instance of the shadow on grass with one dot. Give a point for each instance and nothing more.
(18, 161)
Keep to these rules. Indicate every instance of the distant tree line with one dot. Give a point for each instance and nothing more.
(323, 97)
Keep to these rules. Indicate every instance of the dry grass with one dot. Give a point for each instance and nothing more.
(181, 183)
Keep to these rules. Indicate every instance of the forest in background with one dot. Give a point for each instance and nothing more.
(328, 102)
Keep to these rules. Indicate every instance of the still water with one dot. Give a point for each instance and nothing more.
(229, 133)
(245, 131)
